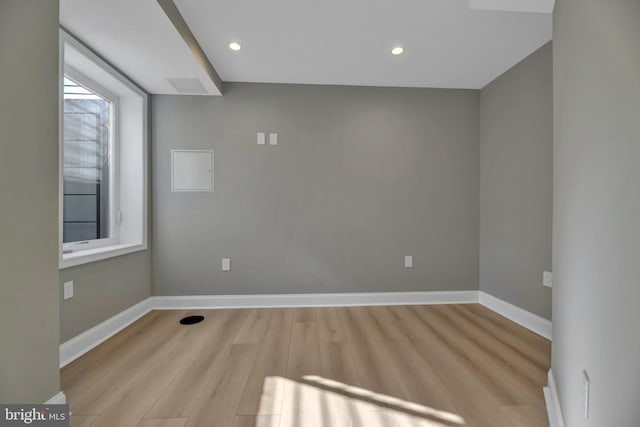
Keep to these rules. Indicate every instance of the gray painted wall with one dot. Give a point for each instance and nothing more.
(596, 244)
(516, 183)
(29, 212)
(103, 289)
(361, 177)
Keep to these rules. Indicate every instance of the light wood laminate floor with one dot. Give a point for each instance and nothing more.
(439, 365)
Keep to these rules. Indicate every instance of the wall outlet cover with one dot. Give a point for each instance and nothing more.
(273, 139)
(408, 261)
(226, 264)
(547, 279)
(68, 290)
(261, 138)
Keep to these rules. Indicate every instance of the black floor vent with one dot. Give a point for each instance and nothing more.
(191, 320)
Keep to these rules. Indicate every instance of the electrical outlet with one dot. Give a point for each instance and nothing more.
(585, 393)
(226, 264)
(68, 290)
(261, 138)
(547, 279)
(273, 139)
(408, 261)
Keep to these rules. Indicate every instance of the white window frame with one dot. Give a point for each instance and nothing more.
(114, 165)
(136, 219)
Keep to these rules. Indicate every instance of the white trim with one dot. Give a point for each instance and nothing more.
(67, 38)
(534, 323)
(79, 345)
(58, 399)
(96, 254)
(313, 300)
(554, 410)
(130, 93)
(530, 6)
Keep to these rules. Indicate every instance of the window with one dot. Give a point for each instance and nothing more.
(103, 162)
(89, 211)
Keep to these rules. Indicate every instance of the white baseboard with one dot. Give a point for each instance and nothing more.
(554, 411)
(76, 347)
(58, 399)
(79, 345)
(313, 300)
(534, 323)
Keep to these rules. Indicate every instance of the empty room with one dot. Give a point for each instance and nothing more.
(295, 213)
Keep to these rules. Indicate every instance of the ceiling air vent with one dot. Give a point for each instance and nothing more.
(188, 86)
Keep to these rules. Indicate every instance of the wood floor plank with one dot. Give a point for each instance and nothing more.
(329, 325)
(496, 376)
(371, 360)
(522, 416)
(304, 351)
(422, 392)
(499, 350)
(82, 420)
(262, 397)
(305, 315)
(508, 378)
(364, 321)
(426, 394)
(77, 369)
(403, 419)
(257, 421)
(337, 363)
(475, 397)
(177, 401)
(254, 326)
(221, 396)
(219, 411)
(134, 402)
(388, 322)
(520, 331)
(533, 345)
(163, 422)
(110, 356)
(111, 377)
(386, 366)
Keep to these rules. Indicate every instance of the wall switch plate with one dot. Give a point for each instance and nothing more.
(408, 261)
(547, 279)
(261, 138)
(226, 264)
(585, 393)
(273, 139)
(68, 290)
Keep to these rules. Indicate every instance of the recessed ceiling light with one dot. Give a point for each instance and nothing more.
(235, 46)
(397, 50)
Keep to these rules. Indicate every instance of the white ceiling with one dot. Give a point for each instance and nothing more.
(349, 41)
(346, 42)
(137, 37)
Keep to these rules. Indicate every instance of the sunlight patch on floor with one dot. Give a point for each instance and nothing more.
(315, 401)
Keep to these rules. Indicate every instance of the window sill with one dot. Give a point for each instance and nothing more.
(97, 254)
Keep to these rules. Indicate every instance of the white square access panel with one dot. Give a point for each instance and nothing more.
(191, 170)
